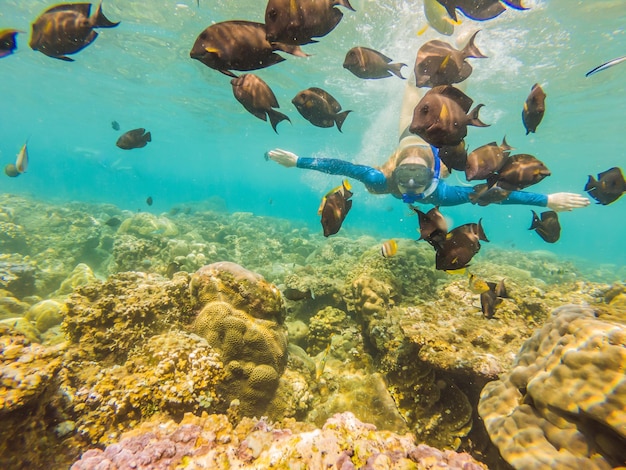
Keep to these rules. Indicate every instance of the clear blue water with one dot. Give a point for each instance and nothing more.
(205, 144)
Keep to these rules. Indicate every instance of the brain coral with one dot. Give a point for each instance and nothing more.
(242, 318)
(563, 405)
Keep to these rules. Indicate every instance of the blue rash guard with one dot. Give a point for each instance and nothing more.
(376, 182)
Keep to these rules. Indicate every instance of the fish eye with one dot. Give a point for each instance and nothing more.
(424, 109)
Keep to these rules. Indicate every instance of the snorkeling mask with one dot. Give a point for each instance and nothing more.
(413, 175)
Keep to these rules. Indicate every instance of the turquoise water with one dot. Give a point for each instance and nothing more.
(206, 145)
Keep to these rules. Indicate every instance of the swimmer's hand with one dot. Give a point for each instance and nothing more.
(283, 157)
(559, 202)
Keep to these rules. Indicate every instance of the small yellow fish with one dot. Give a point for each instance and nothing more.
(21, 162)
(389, 248)
(319, 368)
(477, 285)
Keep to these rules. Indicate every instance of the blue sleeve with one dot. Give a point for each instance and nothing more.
(372, 178)
(446, 195)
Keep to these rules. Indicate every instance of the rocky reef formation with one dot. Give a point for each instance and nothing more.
(563, 404)
(211, 442)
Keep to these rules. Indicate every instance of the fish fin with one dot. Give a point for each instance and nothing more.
(276, 117)
(462, 270)
(470, 49)
(474, 120)
(591, 183)
(344, 3)
(82, 8)
(481, 232)
(422, 30)
(63, 57)
(292, 49)
(451, 9)
(396, 69)
(456, 22)
(341, 117)
(101, 21)
(228, 73)
(505, 146)
(444, 63)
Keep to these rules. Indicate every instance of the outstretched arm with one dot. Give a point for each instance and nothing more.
(373, 178)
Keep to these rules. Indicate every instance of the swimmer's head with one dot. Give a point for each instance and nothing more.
(412, 177)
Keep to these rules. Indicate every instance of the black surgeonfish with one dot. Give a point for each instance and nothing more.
(459, 246)
(547, 227)
(66, 29)
(432, 226)
(609, 186)
(442, 115)
(534, 108)
(8, 43)
(299, 21)
(320, 108)
(370, 64)
(518, 172)
(484, 195)
(454, 157)
(479, 10)
(490, 298)
(238, 45)
(485, 160)
(438, 63)
(258, 98)
(335, 207)
(134, 139)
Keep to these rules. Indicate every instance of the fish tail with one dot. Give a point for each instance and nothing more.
(148, 137)
(340, 117)
(505, 146)
(591, 183)
(276, 117)
(292, 49)
(474, 120)
(101, 21)
(470, 49)
(536, 221)
(481, 232)
(344, 3)
(396, 69)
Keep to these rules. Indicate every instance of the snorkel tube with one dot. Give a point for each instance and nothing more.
(410, 198)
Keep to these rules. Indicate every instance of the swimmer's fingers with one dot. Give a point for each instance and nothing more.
(282, 157)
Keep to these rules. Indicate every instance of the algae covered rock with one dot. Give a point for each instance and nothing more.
(46, 314)
(242, 318)
(564, 402)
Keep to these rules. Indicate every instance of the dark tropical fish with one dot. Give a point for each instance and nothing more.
(432, 226)
(389, 248)
(238, 45)
(442, 116)
(299, 21)
(320, 108)
(484, 195)
(604, 66)
(134, 139)
(172, 268)
(485, 160)
(547, 227)
(454, 157)
(534, 108)
(11, 170)
(608, 188)
(66, 29)
(8, 43)
(368, 63)
(149, 200)
(490, 299)
(335, 207)
(438, 63)
(113, 222)
(21, 161)
(518, 172)
(479, 10)
(291, 293)
(258, 98)
(115, 125)
(459, 247)
(438, 18)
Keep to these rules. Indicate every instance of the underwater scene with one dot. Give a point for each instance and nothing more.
(312, 234)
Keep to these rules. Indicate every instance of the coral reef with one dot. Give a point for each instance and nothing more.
(211, 443)
(242, 318)
(564, 402)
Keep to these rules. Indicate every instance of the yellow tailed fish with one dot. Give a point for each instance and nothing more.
(319, 368)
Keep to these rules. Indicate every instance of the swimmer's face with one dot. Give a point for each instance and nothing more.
(412, 178)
